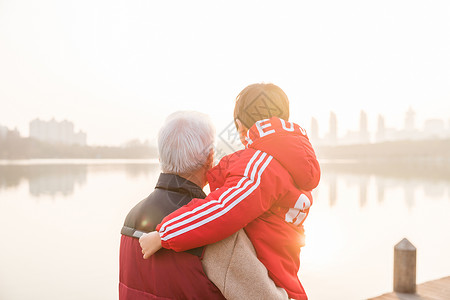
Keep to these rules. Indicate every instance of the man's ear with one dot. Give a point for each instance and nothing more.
(242, 130)
(211, 158)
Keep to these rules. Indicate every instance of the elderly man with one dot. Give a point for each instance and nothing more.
(185, 145)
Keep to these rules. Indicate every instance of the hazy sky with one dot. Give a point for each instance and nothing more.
(117, 68)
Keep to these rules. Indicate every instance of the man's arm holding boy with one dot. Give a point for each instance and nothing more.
(246, 194)
(250, 189)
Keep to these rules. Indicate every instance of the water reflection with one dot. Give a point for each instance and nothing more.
(436, 191)
(360, 213)
(409, 188)
(56, 180)
(62, 179)
(333, 188)
(359, 177)
(381, 187)
(44, 179)
(139, 170)
(363, 182)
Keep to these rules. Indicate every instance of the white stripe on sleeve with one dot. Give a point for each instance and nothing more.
(224, 211)
(237, 186)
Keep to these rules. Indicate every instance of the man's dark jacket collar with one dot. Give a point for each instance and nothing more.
(175, 183)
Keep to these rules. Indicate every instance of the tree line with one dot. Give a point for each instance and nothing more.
(13, 146)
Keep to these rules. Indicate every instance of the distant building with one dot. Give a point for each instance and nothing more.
(350, 138)
(314, 134)
(3, 131)
(332, 133)
(381, 130)
(434, 128)
(410, 120)
(410, 131)
(364, 136)
(56, 132)
(446, 130)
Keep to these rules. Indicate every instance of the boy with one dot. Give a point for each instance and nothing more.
(265, 189)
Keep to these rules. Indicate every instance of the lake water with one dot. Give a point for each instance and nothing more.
(61, 224)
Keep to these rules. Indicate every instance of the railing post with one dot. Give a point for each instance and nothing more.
(405, 267)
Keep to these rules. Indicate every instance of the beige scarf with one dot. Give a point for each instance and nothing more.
(232, 265)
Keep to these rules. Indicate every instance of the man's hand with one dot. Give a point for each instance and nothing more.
(150, 243)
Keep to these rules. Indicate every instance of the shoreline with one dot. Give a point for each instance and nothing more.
(76, 161)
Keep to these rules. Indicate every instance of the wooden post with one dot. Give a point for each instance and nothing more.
(405, 267)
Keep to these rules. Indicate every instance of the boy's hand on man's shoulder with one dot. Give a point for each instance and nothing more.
(150, 243)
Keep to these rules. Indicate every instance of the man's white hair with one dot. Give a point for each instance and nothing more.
(185, 142)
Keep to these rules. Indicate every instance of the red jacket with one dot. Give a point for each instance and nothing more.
(264, 188)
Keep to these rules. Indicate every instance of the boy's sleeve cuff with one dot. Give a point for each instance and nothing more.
(164, 244)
